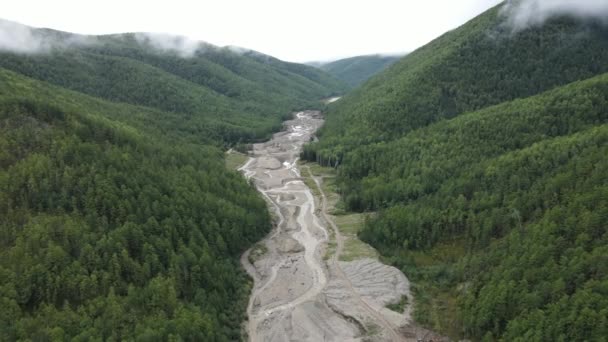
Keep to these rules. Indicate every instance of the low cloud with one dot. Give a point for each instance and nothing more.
(527, 13)
(238, 50)
(19, 38)
(183, 46)
(15, 37)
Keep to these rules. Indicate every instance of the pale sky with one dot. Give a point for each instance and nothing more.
(299, 31)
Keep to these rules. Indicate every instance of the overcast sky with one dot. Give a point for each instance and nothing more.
(299, 31)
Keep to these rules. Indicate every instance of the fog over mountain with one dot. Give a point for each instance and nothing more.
(19, 38)
(525, 13)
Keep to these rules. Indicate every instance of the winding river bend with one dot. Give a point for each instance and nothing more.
(297, 295)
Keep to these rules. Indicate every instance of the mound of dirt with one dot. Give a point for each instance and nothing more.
(289, 246)
(269, 163)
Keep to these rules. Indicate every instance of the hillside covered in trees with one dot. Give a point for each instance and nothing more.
(119, 218)
(356, 70)
(482, 160)
(226, 94)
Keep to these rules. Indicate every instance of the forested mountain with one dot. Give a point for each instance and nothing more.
(356, 70)
(482, 158)
(227, 93)
(119, 220)
(479, 64)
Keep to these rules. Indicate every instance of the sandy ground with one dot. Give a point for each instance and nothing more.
(332, 99)
(297, 296)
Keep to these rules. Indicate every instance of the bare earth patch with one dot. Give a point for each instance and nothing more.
(314, 281)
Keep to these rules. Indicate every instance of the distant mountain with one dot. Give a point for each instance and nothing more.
(356, 70)
(482, 156)
(316, 64)
(238, 94)
(119, 220)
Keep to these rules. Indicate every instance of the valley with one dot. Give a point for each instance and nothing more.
(156, 187)
(298, 293)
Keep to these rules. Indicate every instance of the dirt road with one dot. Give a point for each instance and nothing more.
(334, 262)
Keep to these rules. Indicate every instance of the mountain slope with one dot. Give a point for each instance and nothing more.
(233, 95)
(481, 157)
(417, 164)
(116, 230)
(523, 257)
(356, 70)
(119, 218)
(479, 64)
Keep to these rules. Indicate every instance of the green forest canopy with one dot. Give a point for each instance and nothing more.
(482, 156)
(224, 95)
(119, 218)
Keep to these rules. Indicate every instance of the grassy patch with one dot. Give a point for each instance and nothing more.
(350, 224)
(331, 191)
(327, 173)
(257, 252)
(331, 249)
(234, 160)
(319, 170)
(312, 185)
(356, 249)
(371, 329)
(399, 306)
(332, 245)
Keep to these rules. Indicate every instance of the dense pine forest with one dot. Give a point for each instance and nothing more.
(481, 158)
(119, 220)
